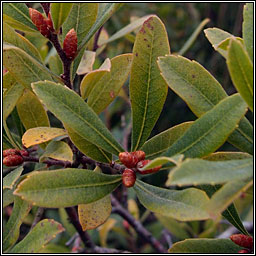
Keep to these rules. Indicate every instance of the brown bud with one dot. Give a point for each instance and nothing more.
(10, 151)
(70, 44)
(40, 21)
(13, 160)
(128, 178)
(24, 152)
(143, 163)
(128, 159)
(242, 240)
(139, 154)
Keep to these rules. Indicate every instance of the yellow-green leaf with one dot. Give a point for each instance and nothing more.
(105, 90)
(17, 16)
(24, 68)
(147, 88)
(12, 37)
(248, 28)
(86, 64)
(104, 230)
(31, 117)
(59, 13)
(12, 229)
(43, 232)
(241, 71)
(185, 205)
(92, 78)
(201, 91)
(211, 130)
(39, 135)
(57, 150)
(66, 187)
(10, 179)
(223, 156)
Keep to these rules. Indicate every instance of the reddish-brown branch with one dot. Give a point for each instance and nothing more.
(118, 209)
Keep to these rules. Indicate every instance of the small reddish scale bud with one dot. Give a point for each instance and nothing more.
(70, 44)
(126, 224)
(139, 154)
(128, 159)
(10, 151)
(143, 163)
(40, 21)
(49, 22)
(242, 240)
(24, 152)
(243, 251)
(128, 178)
(13, 160)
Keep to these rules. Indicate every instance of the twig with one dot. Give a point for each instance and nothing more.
(49, 162)
(96, 39)
(117, 208)
(66, 62)
(75, 221)
(46, 7)
(38, 217)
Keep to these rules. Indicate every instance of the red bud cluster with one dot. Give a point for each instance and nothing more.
(137, 161)
(70, 44)
(40, 21)
(14, 157)
(242, 240)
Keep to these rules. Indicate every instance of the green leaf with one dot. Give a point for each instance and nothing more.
(185, 205)
(11, 37)
(11, 97)
(12, 229)
(241, 71)
(81, 17)
(248, 28)
(193, 37)
(55, 65)
(205, 245)
(107, 88)
(216, 36)
(8, 197)
(198, 171)
(66, 187)
(23, 67)
(147, 89)
(31, 117)
(52, 248)
(91, 79)
(177, 159)
(223, 156)
(127, 29)
(17, 16)
(39, 135)
(162, 141)
(59, 13)
(69, 228)
(103, 15)
(43, 232)
(10, 179)
(88, 148)
(230, 213)
(211, 130)
(178, 229)
(57, 150)
(73, 111)
(227, 194)
(185, 78)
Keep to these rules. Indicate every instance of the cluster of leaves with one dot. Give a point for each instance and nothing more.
(33, 85)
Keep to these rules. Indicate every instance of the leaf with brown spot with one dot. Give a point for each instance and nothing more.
(39, 135)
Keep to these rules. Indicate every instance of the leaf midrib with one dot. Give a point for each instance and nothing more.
(84, 120)
(203, 135)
